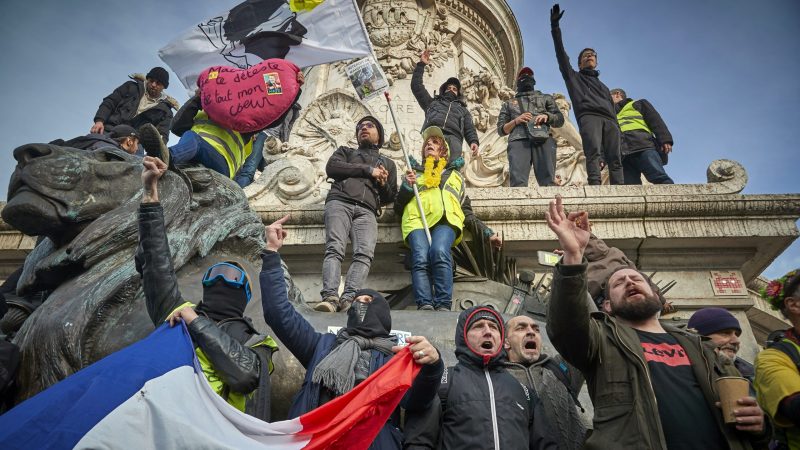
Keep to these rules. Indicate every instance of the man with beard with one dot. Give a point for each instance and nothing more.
(724, 331)
(526, 119)
(364, 180)
(555, 382)
(335, 363)
(594, 109)
(651, 383)
(138, 102)
(447, 110)
(235, 358)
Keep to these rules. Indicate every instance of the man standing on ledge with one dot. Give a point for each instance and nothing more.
(594, 109)
(447, 110)
(646, 140)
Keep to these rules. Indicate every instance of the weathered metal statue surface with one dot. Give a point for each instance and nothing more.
(85, 204)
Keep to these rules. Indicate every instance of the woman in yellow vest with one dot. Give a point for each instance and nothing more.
(447, 208)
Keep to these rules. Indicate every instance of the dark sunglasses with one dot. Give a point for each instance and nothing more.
(231, 275)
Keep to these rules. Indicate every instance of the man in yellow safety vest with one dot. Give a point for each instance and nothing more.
(646, 140)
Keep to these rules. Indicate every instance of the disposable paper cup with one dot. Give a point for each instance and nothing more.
(730, 390)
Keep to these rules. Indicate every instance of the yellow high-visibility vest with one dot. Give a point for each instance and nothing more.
(227, 143)
(437, 203)
(630, 119)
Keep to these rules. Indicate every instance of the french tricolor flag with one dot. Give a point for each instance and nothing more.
(152, 394)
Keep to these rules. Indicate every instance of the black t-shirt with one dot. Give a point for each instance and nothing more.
(685, 416)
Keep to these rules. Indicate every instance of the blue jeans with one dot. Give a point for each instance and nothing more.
(647, 163)
(193, 148)
(432, 262)
(248, 171)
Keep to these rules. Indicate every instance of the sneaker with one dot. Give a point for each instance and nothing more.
(425, 308)
(153, 143)
(442, 308)
(328, 304)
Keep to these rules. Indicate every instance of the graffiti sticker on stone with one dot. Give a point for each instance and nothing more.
(727, 283)
(401, 335)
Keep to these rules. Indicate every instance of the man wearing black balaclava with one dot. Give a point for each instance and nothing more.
(234, 357)
(335, 363)
(527, 119)
(447, 110)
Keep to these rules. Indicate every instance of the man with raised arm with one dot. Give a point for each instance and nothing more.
(335, 363)
(652, 385)
(597, 119)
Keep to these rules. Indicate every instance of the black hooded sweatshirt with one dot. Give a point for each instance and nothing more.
(484, 406)
(450, 113)
(588, 94)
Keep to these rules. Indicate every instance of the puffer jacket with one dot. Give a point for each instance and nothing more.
(534, 102)
(120, 107)
(453, 117)
(484, 406)
(557, 384)
(610, 356)
(242, 369)
(351, 170)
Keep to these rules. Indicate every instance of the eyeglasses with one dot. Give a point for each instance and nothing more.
(231, 275)
(363, 125)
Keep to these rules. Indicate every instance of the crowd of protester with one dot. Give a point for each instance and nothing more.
(652, 385)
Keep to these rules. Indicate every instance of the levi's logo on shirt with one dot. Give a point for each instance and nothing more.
(670, 354)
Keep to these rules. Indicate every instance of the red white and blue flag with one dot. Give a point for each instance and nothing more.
(152, 394)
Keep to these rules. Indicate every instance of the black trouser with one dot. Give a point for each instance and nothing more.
(601, 135)
(523, 152)
(454, 142)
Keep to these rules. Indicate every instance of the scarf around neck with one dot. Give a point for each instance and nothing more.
(337, 370)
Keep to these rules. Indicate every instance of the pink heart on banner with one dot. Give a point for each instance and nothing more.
(248, 100)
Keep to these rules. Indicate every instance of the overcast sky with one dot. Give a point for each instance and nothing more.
(723, 74)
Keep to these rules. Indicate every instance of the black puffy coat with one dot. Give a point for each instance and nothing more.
(120, 107)
(452, 117)
(484, 406)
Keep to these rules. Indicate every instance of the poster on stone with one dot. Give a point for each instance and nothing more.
(367, 77)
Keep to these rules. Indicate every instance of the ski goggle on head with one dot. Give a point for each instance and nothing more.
(229, 273)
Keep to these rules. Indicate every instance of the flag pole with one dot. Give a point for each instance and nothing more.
(408, 164)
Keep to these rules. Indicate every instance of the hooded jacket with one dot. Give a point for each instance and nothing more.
(310, 347)
(452, 116)
(485, 407)
(637, 140)
(610, 356)
(351, 171)
(588, 94)
(120, 107)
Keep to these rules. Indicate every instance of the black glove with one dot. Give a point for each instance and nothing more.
(555, 15)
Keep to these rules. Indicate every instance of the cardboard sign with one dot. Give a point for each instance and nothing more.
(248, 100)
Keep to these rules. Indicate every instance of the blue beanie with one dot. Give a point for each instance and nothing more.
(710, 320)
